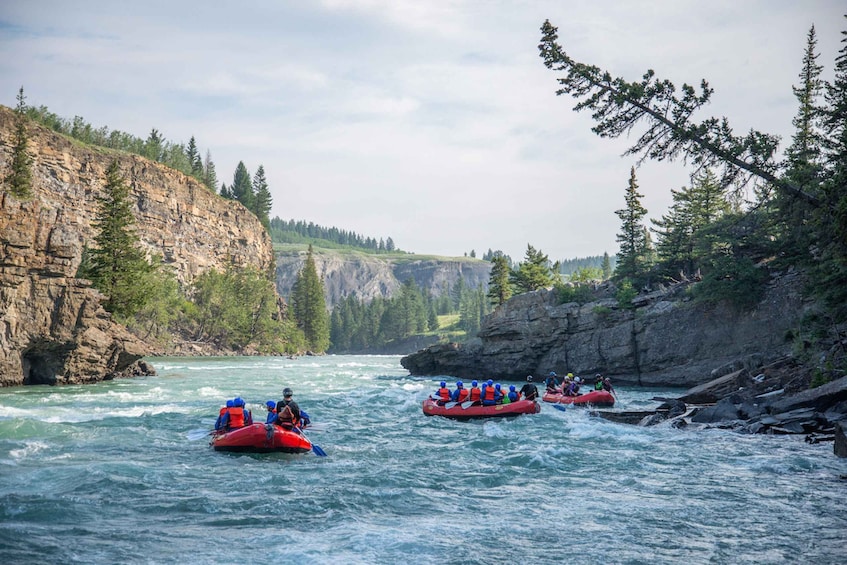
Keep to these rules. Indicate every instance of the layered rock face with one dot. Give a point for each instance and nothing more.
(371, 276)
(668, 340)
(52, 328)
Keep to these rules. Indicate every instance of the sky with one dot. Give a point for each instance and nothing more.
(433, 122)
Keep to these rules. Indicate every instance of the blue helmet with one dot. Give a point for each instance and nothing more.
(230, 403)
(238, 401)
(497, 386)
(553, 374)
(270, 404)
(443, 384)
(490, 382)
(512, 388)
(459, 384)
(474, 383)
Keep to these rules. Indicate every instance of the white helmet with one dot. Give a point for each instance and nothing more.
(577, 380)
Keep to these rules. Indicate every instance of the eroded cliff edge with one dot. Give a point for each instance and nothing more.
(52, 328)
(667, 340)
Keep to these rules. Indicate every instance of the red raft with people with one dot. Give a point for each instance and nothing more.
(470, 410)
(261, 438)
(598, 398)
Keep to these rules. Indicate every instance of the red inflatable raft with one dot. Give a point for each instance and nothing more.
(261, 438)
(600, 398)
(456, 411)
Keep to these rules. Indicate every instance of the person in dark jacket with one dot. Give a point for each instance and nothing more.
(287, 411)
(529, 391)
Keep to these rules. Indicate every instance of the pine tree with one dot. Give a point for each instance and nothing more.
(804, 155)
(118, 267)
(19, 179)
(154, 148)
(534, 273)
(210, 177)
(682, 243)
(193, 156)
(607, 266)
(262, 199)
(499, 287)
(633, 246)
(241, 188)
(309, 306)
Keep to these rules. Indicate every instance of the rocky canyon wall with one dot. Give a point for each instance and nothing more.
(52, 328)
(669, 340)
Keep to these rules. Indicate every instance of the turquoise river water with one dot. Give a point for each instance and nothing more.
(122, 472)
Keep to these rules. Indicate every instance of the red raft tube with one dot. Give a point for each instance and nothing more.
(598, 398)
(465, 410)
(261, 438)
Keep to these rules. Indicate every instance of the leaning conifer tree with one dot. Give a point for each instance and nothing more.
(19, 178)
(117, 265)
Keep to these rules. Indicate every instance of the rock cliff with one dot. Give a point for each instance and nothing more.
(667, 340)
(52, 328)
(370, 276)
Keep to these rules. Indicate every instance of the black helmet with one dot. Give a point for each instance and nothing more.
(529, 378)
(287, 392)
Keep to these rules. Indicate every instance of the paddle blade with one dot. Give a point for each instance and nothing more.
(467, 404)
(450, 404)
(318, 451)
(560, 407)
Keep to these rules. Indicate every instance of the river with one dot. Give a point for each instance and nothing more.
(122, 472)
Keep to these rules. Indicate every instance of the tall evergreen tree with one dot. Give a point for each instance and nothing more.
(154, 146)
(241, 188)
(19, 178)
(499, 287)
(210, 177)
(262, 199)
(194, 160)
(633, 244)
(309, 305)
(118, 267)
(804, 155)
(606, 266)
(682, 244)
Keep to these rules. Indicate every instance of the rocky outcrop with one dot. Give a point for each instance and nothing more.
(52, 328)
(369, 276)
(667, 340)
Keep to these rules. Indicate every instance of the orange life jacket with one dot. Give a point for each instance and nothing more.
(236, 417)
(222, 412)
(475, 394)
(463, 394)
(444, 393)
(489, 393)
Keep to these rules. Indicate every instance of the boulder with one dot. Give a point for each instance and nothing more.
(840, 447)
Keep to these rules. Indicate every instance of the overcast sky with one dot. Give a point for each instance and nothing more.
(433, 122)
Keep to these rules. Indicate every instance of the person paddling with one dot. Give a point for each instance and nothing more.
(475, 395)
(271, 406)
(460, 394)
(529, 391)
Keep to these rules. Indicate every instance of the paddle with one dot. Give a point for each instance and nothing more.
(450, 404)
(315, 447)
(467, 404)
(560, 407)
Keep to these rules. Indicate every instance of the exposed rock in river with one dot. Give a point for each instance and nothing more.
(52, 328)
